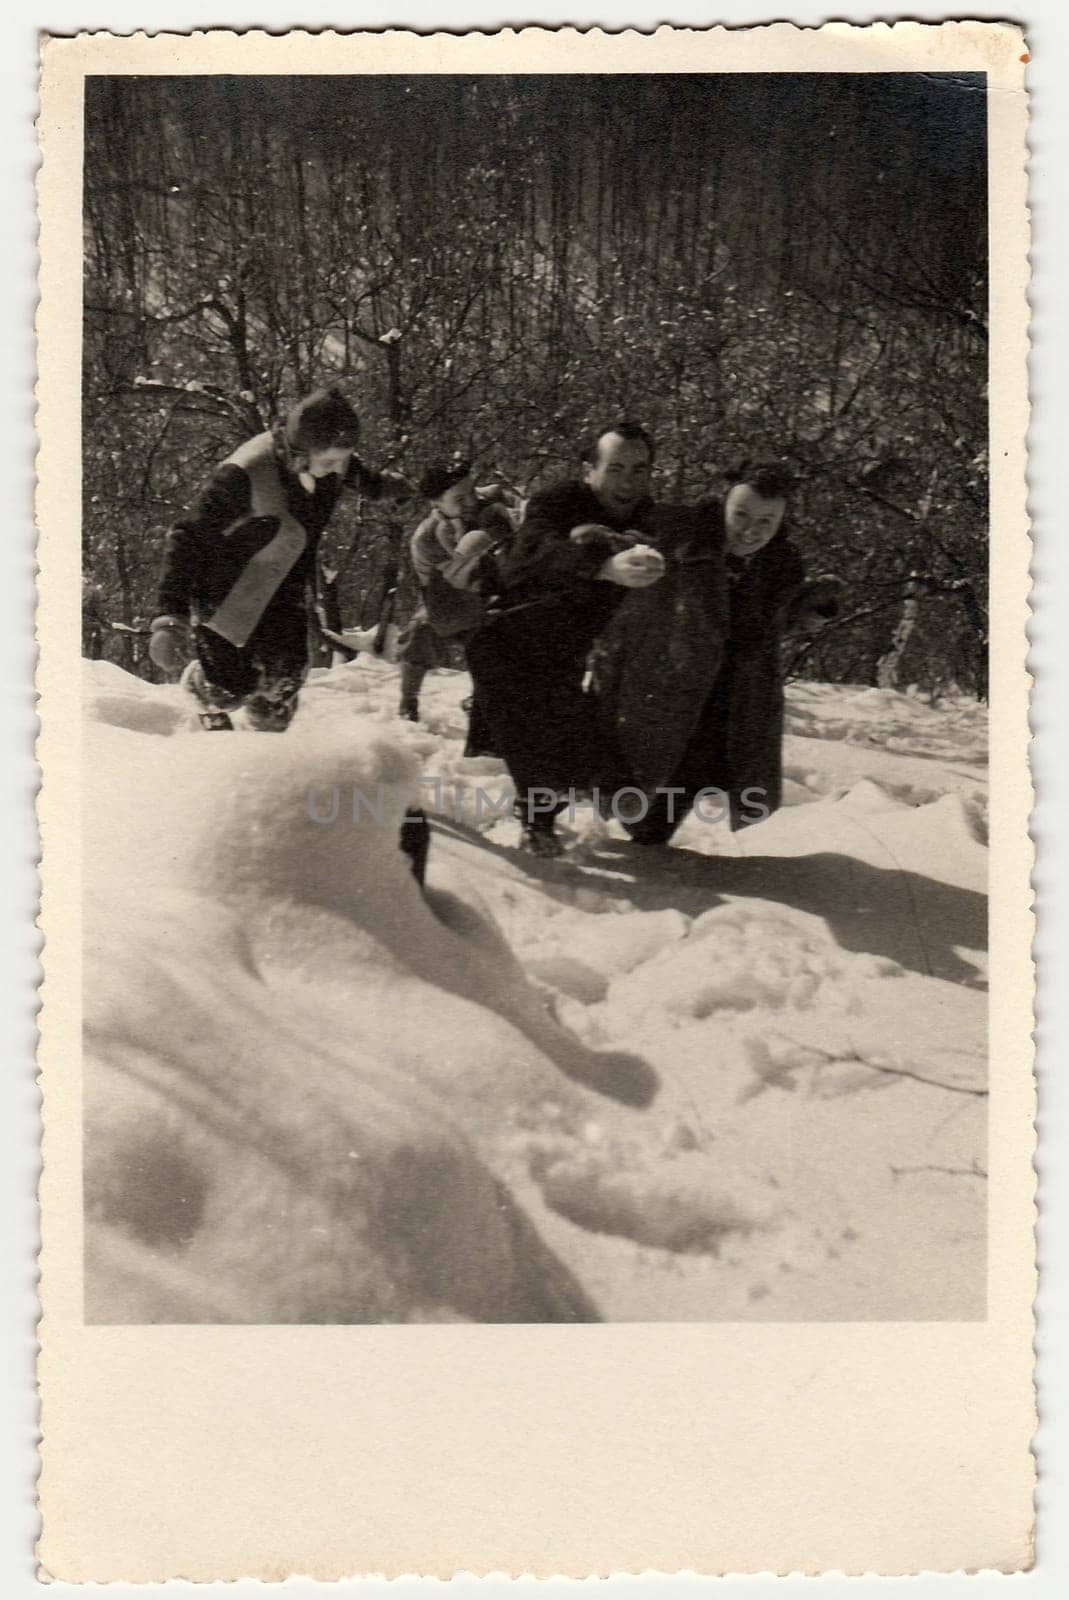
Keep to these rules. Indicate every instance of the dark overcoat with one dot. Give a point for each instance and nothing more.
(660, 651)
(528, 660)
(738, 743)
(718, 626)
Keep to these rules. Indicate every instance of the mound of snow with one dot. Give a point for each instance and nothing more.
(622, 944)
(953, 727)
(739, 958)
(687, 1204)
(115, 699)
(289, 1047)
(868, 796)
(315, 1093)
(248, 1181)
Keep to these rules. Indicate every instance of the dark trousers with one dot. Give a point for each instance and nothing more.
(531, 710)
(420, 649)
(264, 676)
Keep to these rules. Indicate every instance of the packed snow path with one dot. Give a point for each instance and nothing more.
(315, 1094)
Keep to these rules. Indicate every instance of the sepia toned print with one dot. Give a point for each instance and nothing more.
(615, 522)
(784, 278)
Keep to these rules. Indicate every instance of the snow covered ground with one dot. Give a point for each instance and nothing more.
(743, 1078)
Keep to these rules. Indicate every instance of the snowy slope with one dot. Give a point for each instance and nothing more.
(314, 1094)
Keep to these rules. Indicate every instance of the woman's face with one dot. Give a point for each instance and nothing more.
(750, 520)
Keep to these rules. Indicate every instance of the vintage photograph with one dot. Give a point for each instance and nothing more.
(534, 589)
(585, 479)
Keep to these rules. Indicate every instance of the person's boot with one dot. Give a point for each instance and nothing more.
(538, 834)
(270, 713)
(651, 834)
(653, 830)
(211, 718)
(409, 711)
(539, 840)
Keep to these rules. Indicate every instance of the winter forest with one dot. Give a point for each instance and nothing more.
(751, 265)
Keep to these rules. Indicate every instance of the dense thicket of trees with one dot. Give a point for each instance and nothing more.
(791, 265)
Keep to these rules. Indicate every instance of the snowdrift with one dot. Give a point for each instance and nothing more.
(744, 1077)
(285, 1041)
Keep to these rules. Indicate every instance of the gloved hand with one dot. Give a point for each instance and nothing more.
(168, 644)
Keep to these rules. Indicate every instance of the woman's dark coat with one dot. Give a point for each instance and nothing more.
(657, 656)
(715, 718)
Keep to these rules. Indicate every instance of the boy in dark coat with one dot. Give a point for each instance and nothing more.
(580, 546)
(239, 567)
(728, 735)
(451, 607)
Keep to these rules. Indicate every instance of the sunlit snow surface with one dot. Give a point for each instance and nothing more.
(313, 1094)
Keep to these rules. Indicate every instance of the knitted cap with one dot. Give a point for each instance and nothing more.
(323, 420)
(442, 475)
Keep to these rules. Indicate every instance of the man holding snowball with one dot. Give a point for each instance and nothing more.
(580, 548)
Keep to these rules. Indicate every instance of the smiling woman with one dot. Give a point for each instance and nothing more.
(754, 508)
(730, 595)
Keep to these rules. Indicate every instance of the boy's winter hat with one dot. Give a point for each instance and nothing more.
(442, 475)
(323, 420)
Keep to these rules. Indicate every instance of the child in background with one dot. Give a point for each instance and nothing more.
(450, 551)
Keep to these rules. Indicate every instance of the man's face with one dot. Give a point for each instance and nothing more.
(750, 520)
(321, 463)
(459, 499)
(620, 473)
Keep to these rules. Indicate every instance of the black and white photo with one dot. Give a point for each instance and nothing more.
(537, 767)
